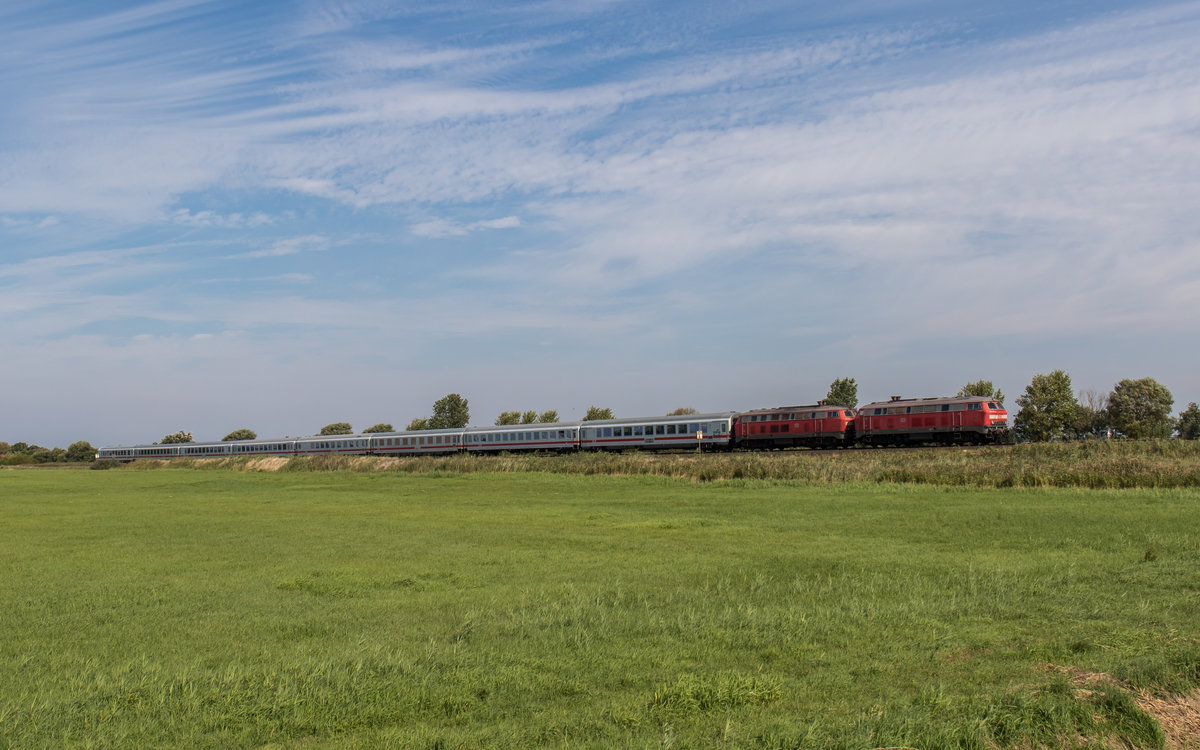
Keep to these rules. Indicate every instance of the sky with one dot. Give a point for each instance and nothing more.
(278, 215)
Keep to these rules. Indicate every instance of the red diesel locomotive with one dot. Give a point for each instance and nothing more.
(812, 426)
(900, 421)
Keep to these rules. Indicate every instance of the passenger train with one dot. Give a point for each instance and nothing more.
(900, 421)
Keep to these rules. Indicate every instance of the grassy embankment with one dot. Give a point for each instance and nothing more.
(237, 609)
(1111, 464)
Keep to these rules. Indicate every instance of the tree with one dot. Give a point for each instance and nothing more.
(981, 388)
(381, 427)
(242, 434)
(177, 437)
(509, 417)
(682, 411)
(4, 448)
(842, 392)
(419, 423)
(1091, 419)
(449, 411)
(40, 454)
(1141, 409)
(529, 417)
(1188, 424)
(595, 412)
(19, 448)
(1048, 408)
(550, 416)
(81, 451)
(58, 455)
(337, 428)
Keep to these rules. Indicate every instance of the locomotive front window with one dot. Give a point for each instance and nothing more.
(992, 405)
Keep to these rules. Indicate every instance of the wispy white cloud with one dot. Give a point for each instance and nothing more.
(447, 228)
(235, 220)
(290, 246)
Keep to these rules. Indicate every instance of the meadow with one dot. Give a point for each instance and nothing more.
(217, 608)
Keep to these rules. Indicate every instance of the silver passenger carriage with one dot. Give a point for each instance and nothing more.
(331, 445)
(685, 431)
(557, 436)
(416, 442)
(276, 447)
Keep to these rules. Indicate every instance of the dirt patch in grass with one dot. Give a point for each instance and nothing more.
(1177, 715)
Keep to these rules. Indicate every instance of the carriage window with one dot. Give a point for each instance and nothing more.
(976, 406)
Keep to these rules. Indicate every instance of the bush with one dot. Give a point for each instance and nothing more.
(81, 452)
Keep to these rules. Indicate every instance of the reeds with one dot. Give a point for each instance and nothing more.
(1151, 464)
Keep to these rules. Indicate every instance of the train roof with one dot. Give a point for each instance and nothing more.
(668, 418)
(805, 407)
(898, 401)
(524, 427)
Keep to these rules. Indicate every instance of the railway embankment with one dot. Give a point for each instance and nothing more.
(1107, 464)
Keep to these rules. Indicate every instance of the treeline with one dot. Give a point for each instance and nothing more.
(1049, 409)
(450, 411)
(18, 454)
(1138, 409)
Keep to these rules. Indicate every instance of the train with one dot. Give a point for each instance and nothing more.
(896, 422)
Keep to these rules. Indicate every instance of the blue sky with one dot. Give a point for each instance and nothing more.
(277, 215)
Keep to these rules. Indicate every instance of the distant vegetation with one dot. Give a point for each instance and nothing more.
(527, 417)
(23, 454)
(842, 392)
(596, 412)
(449, 411)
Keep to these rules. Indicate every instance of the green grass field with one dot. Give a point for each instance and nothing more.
(188, 608)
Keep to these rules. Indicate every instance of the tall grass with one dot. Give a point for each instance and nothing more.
(1161, 464)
